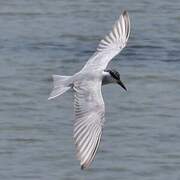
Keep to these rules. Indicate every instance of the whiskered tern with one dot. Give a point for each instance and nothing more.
(89, 106)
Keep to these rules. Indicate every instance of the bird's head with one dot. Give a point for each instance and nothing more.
(116, 77)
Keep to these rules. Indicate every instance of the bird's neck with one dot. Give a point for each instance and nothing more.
(107, 78)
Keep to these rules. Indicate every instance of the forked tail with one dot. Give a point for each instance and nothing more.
(60, 85)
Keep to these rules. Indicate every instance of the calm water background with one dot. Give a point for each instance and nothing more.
(141, 139)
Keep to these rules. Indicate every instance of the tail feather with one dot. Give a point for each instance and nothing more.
(60, 85)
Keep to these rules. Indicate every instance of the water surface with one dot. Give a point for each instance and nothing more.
(141, 138)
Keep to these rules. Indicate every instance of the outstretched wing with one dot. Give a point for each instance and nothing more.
(89, 117)
(111, 45)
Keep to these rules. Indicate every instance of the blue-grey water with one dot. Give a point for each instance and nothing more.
(141, 137)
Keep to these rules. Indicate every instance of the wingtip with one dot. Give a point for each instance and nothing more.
(82, 167)
(125, 13)
(127, 22)
(49, 98)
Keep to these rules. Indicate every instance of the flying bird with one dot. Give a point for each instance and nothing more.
(89, 106)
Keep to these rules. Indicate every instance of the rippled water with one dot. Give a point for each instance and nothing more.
(141, 137)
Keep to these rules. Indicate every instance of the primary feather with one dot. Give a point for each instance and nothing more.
(111, 45)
